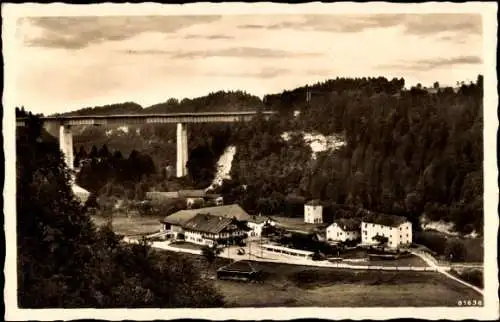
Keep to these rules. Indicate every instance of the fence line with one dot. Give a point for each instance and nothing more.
(167, 246)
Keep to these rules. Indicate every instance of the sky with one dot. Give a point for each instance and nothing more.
(72, 62)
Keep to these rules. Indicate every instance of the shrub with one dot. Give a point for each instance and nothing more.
(455, 250)
(432, 240)
(472, 276)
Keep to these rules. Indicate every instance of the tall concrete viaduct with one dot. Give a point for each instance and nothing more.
(65, 123)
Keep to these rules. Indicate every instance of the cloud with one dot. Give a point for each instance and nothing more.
(458, 39)
(246, 52)
(429, 64)
(147, 52)
(333, 23)
(433, 23)
(419, 24)
(243, 52)
(211, 37)
(265, 73)
(79, 32)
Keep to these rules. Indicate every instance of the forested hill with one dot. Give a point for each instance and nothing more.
(218, 102)
(408, 152)
(295, 99)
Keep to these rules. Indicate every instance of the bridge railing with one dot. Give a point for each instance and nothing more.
(205, 117)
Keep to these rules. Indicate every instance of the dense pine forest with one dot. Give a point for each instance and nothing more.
(407, 152)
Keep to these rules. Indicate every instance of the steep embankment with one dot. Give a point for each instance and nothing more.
(223, 167)
(318, 142)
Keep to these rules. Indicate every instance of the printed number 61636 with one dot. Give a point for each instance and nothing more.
(470, 303)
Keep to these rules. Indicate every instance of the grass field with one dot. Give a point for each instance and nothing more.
(295, 224)
(130, 226)
(292, 285)
(299, 286)
(411, 260)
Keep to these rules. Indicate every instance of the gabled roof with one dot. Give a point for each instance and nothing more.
(179, 218)
(227, 211)
(348, 224)
(192, 193)
(213, 195)
(315, 202)
(295, 198)
(385, 219)
(162, 194)
(260, 219)
(207, 223)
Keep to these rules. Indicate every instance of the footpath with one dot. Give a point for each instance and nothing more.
(431, 261)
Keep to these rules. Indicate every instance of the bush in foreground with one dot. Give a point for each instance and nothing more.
(472, 276)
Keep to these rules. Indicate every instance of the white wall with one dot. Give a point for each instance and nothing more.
(256, 231)
(405, 233)
(197, 238)
(313, 214)
(336, 233)
(173, 228)
(397, 236)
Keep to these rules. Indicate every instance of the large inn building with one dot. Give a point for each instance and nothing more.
(206, 226)
(397, 229)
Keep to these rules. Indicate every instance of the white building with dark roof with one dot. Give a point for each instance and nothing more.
(205, 226)
(313, 212)
(344, 229)
(397, 229)
(256, 224)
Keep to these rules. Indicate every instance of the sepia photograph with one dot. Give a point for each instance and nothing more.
(326, 159)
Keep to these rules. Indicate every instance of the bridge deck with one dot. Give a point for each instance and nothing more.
(165, 118)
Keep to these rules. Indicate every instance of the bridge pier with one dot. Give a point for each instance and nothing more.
(66, 145)
(50, 123)
(182, 150)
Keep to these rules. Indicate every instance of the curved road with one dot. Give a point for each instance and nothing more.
(443, 270)
(231, 252)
